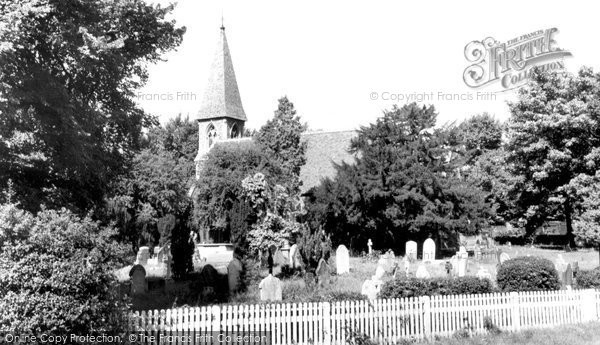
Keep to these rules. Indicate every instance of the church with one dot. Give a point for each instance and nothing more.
(221, 120)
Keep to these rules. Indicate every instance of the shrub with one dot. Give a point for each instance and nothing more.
(528, 274)
(59, 279)
(414, 287)
(588, 279)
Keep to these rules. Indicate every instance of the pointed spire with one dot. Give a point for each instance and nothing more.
(222, 96)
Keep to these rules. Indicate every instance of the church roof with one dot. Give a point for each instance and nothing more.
(222, 96)
(323, 149)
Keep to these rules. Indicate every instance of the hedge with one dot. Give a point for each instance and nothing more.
(528, 273)
(588, 279)
(414, 287)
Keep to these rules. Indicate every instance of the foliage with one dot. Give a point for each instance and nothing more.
(313, 245)
(280, 139)
(586, 227)
(552, 139)
(490, 326)
(182, 247)
(14, 222)
(529, 273)
(145, 203)
(403, 186)
(59, 280)
(588, 279)
(415, 287)
(69, 71)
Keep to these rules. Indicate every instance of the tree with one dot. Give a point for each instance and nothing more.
(554, 135)
(280, 139)
(403, 184)
(68, 75)
(150, 199)
(586, 224)
(478, 134)
(59, 279)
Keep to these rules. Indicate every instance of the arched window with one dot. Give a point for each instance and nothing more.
(212, 135)
(235, 132)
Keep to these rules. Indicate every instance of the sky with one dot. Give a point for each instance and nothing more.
(342, 63)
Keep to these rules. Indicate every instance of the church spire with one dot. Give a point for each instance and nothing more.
(222, 96)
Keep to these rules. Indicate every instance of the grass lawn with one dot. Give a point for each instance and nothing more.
(581, 334)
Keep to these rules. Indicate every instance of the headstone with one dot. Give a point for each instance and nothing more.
(371, 288)
(483, 273)
(342, 260)
(398, 272)
(379, 273)
(234, 273)
(169, 262)
(560, 263)
(478, 255)
(370, 245)
(270, 289)
(411, 250)
(137, 274)
(428, 250)
(462, 257)
(160, 254)
(143, 255)
(568, 276)
(504, 257)
(387, 261)
(293, 252)
(322, 272)
(208, 277)
(279, 259)
(422, 272)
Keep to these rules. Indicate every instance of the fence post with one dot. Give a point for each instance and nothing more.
(426, 303)
(216, 319)
(588, 305)
(326, 323)
(515, 311)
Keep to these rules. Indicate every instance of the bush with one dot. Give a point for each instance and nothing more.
(59, 279)
(588, 279)
(414, 287)
(527, 274)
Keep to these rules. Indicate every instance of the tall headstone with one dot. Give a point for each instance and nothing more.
(270, 289)
(428, 250)
(234, 274)
(279, 258)
(462, 257)
(208, 280)
(143, 255)
(342, 260)
(293, 254)
(139, 285)
(387, 261)
(568, 276)
(370, 245)
(411, 250)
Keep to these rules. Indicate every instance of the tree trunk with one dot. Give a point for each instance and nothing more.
(569, 222)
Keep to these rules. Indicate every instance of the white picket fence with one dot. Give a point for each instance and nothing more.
(384, 320)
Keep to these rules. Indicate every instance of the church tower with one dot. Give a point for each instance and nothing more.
(221, 116)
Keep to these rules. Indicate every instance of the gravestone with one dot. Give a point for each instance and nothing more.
(462, 257)
(478, 255)
(483, 273)
(270, 289)
(234, 274)
(379, 273)
(568, 276)
(160, 254)
(371, 288)
(422, 272)
(370, 245)
(387, 261)
(322, 273)
(560, 263)
(279, 259)
(411, 250)
(342, 260)
(428, 250)
(208, 279)
(293, 253)
(504, 257)
(143, 255)
(137, 274)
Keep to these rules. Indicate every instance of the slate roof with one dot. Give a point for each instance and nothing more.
(222, 96)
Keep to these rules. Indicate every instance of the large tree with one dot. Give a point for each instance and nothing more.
(404, 184)
(69, 71)
(554, 135)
